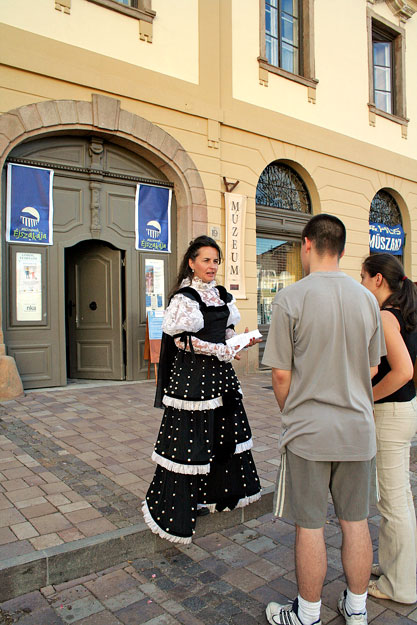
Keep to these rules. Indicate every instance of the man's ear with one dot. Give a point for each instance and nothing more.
(307, 244)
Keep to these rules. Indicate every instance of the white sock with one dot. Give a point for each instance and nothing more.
(308, 612)
(355, 604)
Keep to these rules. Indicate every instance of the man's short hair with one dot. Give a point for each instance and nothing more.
(328, 234)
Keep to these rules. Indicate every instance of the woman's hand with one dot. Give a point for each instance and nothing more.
(252, 341)
(250, 344)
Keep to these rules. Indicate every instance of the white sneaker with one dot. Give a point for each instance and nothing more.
(278, 614)
(351, 619)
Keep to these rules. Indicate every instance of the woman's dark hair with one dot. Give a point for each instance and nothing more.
(404, 291)
(191, 254)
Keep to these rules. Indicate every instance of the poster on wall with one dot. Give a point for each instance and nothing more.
(154, 284)
(29, 205)
(153, 218)
(388, 239)
(155, 319)
(153, 338)
(28, 286)
(235, 207)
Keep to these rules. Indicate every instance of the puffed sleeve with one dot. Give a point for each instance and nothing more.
(234, 314)
(182, 315)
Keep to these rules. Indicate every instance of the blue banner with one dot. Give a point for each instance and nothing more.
(389, 239)
(29, 205)
(153, 218)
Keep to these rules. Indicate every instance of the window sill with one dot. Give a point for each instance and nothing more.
(146, 15)
(397, 119)
(308, 82)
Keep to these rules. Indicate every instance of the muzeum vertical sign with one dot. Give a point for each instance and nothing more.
(235, 206)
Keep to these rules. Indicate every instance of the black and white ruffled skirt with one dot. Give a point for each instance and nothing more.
(203, 448)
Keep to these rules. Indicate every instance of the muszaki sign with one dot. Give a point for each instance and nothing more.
(388, 239)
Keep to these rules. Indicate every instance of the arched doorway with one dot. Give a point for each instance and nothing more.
(103, 118)
(93, 279)
(283, 207)
(95, 317)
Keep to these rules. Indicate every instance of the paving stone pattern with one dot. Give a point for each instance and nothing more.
(75, 463)
(118, 504)
(224, 578)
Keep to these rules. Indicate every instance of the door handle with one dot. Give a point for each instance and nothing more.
(93, 306)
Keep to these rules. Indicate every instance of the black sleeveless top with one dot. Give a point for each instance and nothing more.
(213, 331)
(408, 391)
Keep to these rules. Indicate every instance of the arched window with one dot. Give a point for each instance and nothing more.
(385, 210)
(283, 207)
(279, 186)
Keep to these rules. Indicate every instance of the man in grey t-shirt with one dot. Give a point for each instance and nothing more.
(324, 345)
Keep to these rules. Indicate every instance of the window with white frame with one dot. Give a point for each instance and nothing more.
(286, 39)
(386, 68)
(282, 34)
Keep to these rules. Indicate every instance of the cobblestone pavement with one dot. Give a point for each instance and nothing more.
(223, 578)
(75, 463)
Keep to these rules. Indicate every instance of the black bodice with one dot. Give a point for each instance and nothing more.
(215, 317)
(408, 391)
(213, 331)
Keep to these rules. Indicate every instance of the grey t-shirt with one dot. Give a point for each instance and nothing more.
(326, 330)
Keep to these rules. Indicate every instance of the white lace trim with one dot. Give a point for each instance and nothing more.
(198, 284)
(176, 467)
(241, 447)
(185, 404)
(224, 353)
(158, 530)
(248, 500)
(183, 313)
(245, 501)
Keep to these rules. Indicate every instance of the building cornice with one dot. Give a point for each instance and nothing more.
(403, 8)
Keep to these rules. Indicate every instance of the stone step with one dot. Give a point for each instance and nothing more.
(55, 565)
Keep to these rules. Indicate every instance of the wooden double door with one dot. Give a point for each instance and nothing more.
(91, 283)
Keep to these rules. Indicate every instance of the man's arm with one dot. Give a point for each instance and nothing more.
(281, 381)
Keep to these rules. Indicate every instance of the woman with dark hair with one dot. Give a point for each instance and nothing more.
(203, 456)
(396, 423)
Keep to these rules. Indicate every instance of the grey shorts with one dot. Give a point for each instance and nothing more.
(303, 487)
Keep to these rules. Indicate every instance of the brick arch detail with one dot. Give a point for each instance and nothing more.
(105, 116)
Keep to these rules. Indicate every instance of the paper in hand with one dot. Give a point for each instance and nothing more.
(243, 339)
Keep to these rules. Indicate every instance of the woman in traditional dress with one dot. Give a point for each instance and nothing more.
(395, 423)
(203, 456)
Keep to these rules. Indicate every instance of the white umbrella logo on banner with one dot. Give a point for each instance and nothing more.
(33, 220)
(153, 229)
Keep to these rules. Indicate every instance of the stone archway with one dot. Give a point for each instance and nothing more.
(104, 116)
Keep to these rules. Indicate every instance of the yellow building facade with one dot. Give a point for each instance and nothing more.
(308, 105)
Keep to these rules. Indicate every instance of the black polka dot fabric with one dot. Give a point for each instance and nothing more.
(203, 447)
